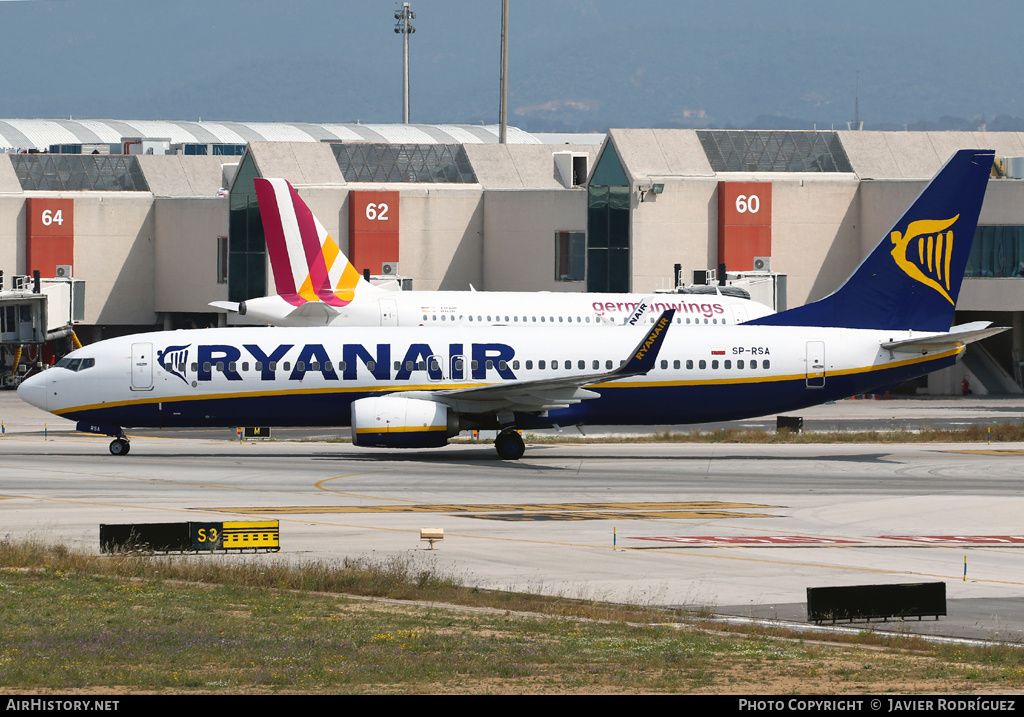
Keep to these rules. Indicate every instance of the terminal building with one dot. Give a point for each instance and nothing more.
(151, 221)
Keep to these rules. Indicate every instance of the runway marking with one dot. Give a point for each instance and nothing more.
(590, 515)
(960, 539)
(938, 541)
(536, 511)
(319, 485)
(749, 540)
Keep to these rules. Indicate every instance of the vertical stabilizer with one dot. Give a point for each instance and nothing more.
(307, 262)
(912, 278)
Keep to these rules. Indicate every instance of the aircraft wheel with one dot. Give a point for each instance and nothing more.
(509, 445)
(119, 447)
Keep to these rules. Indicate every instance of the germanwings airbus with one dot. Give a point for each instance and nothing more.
(415, 387)
(320, 287)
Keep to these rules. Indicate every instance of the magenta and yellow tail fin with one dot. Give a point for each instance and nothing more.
(307, 262)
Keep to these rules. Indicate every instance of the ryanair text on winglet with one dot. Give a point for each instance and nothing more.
(652, 337)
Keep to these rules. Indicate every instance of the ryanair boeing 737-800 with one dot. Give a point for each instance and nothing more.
(414, 387)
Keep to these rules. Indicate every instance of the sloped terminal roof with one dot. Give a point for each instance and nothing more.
(865, 155)
(21, 134)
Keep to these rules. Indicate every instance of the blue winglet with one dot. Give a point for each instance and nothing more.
(646, 352)
(912, 278)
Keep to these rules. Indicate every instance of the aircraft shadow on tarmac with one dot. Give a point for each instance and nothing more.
(464, 454)
(581, 453)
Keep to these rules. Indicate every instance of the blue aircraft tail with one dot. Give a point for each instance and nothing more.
(911, 280)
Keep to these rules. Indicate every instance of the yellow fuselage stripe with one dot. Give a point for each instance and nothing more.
(392, 388)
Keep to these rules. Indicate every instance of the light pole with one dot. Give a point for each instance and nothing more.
(404, 28)
(503, 90)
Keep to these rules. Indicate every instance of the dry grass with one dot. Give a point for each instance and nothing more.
(76, 623)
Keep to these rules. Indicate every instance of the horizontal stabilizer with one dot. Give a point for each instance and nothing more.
(229, 306)
(955, 337)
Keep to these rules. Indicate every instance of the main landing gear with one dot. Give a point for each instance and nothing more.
(509, 445)
(120, 447)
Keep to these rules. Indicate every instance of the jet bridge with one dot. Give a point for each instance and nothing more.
(35, 316)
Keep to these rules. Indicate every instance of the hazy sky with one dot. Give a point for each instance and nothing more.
(623, 63)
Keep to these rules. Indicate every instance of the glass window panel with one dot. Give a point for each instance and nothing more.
(618, 217)
(597, 217)
(597, 270)
(77, 172)
(618, 271)
(774, 151)
(428, 163)
(608, 171)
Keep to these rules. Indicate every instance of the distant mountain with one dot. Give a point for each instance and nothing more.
(575, 65)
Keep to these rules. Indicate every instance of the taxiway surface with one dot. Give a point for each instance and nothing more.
(739, 529)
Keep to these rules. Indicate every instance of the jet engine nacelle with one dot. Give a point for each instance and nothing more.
(396, 422)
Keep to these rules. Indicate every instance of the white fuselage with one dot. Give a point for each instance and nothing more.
(490, 308)
(287, 376)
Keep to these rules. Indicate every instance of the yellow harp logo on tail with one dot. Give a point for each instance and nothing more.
(933, 250)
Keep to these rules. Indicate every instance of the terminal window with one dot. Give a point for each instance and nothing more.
(997, 251)
(570, 256)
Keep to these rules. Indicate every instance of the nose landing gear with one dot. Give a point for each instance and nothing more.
(118, 447)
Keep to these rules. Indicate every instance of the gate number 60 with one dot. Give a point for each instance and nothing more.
(746, 204)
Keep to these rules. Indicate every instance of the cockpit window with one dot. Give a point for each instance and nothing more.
(75, 364)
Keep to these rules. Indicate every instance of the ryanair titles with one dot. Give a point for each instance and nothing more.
(292, 362)
(652, 337)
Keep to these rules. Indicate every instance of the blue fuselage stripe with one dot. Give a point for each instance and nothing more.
(635, 404)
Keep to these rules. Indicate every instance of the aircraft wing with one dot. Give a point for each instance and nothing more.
(551, 393)
(956, 336)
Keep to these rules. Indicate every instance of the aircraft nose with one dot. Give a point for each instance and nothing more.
(33, 390)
